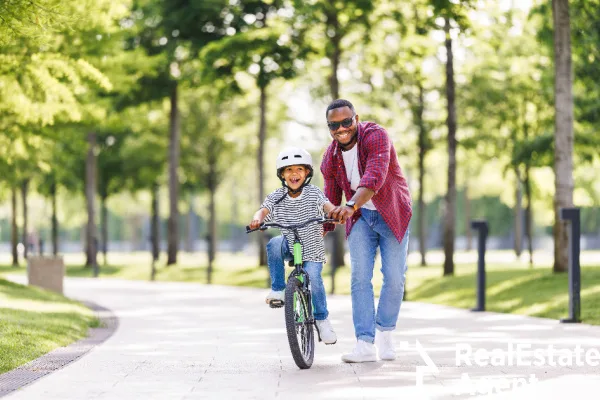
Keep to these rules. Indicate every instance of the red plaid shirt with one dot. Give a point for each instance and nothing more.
(379, 170)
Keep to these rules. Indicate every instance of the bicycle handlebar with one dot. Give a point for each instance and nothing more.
(268, 225)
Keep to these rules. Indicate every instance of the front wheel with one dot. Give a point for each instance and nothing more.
(299, 324)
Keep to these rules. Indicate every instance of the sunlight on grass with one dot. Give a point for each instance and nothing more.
(452, 297)
(507, 304)
(34, 322)
(38, 306)
(512, 285)
(502, 286)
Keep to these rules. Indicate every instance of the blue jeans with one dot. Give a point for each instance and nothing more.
(277, 253)
(368, 233)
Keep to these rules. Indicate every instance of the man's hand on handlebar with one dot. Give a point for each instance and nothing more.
(341, 213)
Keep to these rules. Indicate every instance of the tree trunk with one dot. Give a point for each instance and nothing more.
(234, 232)
(54, 220)
(335, 59)
(262, 136)
(155, 233)
(190, 225)
(104, 223)
(339, 235)
(518, 217)
(563, 136)
(25, 234)
(213, 183)
(528, 215)
(90, 194)
(212, 243)
(14, 237)
(450, 200)
(468, 230)
(174, 150)
(527, 188)
(422, 152)
(154, 230)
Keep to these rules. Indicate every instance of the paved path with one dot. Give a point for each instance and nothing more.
(188, 341)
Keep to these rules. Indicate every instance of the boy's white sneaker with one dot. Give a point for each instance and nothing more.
(363, 352)
(326, 332)
(275, 298)
(385, 345)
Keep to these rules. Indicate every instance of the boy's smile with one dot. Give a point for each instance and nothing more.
(294, 176)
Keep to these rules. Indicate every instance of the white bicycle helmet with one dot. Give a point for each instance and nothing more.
(294, 156)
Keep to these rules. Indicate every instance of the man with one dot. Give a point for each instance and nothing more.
(361, 162)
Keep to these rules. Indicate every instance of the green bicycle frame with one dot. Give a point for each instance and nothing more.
(297, 254)
(300, 277)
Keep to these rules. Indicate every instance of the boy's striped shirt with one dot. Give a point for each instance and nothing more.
(293, 211)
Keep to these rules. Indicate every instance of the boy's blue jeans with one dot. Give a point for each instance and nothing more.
(277, 253)
(369, 232)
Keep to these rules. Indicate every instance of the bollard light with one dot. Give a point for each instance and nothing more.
(572, 214)
(482, 227)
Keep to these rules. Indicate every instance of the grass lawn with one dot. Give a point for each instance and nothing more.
(512, 286)
(34, 322)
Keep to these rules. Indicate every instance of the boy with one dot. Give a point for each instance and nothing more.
(296, 202)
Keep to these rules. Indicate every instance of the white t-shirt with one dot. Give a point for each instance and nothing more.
(293, 211)
(352, 173)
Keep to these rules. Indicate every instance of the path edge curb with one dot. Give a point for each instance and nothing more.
(60, 357)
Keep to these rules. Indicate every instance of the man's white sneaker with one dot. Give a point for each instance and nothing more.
(363, 352)
(385, 345)
(275, 298)
(326, 332)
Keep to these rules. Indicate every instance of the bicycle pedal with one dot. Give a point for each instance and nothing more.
(276, 303)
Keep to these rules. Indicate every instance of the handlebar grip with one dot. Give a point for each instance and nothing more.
(262, 227)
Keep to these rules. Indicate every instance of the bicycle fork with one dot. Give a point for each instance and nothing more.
(301, 274)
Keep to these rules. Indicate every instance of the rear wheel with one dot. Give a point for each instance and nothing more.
(299, 324)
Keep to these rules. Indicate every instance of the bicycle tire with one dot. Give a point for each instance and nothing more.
(298, 325)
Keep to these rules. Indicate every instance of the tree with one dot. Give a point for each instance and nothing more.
(177, 31)
(144, 148)
(90, 197)
(571, 31)
(454, 16)
(332, 22)
(563, 135)
(110, 177)
(267, 53)
(207, 155)
(394, 70)
(504, 105)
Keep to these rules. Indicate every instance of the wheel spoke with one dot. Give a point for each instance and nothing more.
(303, 327)
(299, 325)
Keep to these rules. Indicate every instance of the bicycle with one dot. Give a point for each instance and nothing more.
(299, 319)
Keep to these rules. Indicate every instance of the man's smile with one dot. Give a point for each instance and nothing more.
(344, 136)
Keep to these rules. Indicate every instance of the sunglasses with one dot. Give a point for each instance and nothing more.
(346, 123)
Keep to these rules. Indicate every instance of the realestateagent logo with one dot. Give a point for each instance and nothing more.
(514, 354)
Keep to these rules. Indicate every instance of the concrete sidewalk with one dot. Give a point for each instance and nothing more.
(189, 341)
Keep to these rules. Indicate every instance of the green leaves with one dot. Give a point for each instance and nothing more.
(45, 87)
(265, 53)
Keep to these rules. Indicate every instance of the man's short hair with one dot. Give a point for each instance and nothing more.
(339, 103)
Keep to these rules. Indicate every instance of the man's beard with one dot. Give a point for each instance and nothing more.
(353, 139)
